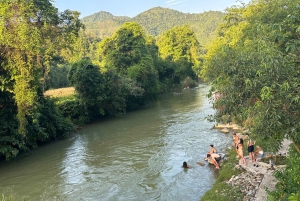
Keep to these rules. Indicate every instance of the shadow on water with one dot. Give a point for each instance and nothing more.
(137, 156)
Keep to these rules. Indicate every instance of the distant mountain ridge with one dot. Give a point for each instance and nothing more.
(155, 21)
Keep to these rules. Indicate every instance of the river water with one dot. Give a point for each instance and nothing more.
(137, 156)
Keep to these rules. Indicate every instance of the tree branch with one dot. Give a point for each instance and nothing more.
(295, 145)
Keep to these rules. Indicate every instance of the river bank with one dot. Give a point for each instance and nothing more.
(245, 182)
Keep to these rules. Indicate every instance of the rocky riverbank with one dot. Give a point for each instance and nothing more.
(244, 182)
(257, 177)
(248, 183)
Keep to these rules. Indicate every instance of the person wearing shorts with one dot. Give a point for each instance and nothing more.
(250, 147)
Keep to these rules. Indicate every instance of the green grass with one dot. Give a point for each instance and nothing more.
(220, 190)
(5, 198)
(61, 92)
(278, 160)
(62, 99)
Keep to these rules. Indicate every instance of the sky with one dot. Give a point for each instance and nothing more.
(132, 8)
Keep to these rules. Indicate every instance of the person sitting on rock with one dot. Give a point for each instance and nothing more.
(214, 158)
(259, 152)
(212, 149)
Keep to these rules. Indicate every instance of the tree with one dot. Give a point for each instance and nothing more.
(180, 46)
(251, 71)
(101, 94)
(128, 54)
(89, 84)
(124, 49)
(254, 65)
(31, 32)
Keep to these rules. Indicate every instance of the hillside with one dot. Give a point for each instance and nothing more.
(103, 24)
(155, 21)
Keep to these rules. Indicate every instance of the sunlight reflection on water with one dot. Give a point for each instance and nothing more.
(134, 157)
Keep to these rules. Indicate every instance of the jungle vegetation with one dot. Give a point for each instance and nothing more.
(254, 65)
(42, 48)
(31, 36)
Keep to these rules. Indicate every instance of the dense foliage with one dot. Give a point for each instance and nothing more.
(155, 22)
(254, 65)
(42, 48)
(128, 72)
(180, 46)
(31, 33)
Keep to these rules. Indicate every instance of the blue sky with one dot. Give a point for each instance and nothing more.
(131, 8)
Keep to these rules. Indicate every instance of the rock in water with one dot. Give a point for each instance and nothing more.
(200, 163)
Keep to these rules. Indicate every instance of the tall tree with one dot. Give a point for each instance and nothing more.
(254, 65)
(100, 93)
(128, 54)
(125, 48)
(31, 32)
(180, 45)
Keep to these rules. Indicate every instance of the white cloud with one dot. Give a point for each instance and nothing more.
(174, 2)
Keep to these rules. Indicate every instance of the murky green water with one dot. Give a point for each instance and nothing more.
(134, 157)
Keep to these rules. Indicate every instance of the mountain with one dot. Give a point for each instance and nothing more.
(103, 24)
(155, 21)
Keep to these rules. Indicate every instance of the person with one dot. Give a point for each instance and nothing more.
(250, 148)
(185, 165)
(241, 140)
(236, 142)
(214, 158)
(241, 153)
(212, 149)
(259, 152)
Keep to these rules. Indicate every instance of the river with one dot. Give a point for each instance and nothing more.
(137, 156)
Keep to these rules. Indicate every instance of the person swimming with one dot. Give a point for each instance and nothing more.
(185, 165)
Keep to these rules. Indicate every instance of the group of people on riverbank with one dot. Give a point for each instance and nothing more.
(213, 157)
(239, 147)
